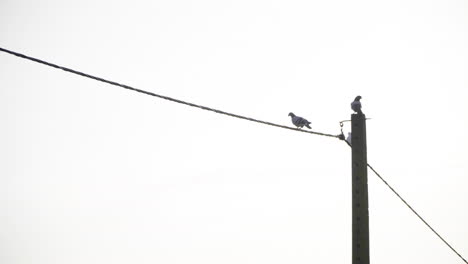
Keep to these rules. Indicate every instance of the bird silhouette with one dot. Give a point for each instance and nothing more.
(299, 122)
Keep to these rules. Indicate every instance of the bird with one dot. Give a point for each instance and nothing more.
(299, 121)
(356, 105)
(348, 139)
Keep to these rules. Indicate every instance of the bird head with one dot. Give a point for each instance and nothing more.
(291, 114)
(357, 98)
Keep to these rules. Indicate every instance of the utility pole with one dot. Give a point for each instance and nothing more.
(360, 211)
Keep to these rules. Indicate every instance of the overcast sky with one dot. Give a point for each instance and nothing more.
(93, 173)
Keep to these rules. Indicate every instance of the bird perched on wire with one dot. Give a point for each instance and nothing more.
(299, 121)
(356, 105)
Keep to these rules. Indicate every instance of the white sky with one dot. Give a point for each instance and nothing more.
(92, 173)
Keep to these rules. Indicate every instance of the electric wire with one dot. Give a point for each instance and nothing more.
(411, 208)
(416, 213)
(341, 136)
(160, 96)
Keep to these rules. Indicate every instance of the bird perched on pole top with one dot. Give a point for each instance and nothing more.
(299, 121)
(356, 105)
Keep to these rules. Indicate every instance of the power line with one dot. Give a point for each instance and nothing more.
(161, 96)
(414, 211)
(341, 136)
(411, 208)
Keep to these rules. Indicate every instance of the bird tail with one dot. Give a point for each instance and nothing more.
(307, 125)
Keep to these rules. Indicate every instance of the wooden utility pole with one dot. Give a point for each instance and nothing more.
(360, 211)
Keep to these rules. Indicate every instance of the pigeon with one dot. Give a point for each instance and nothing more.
(356, 105)
(348, 139)
(299, 121)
